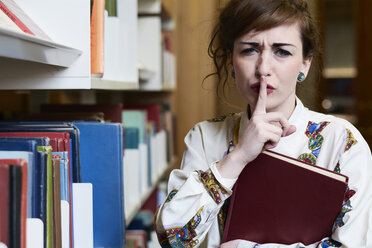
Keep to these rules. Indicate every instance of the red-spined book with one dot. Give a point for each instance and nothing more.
(21, 19)
(278, 199)
(4, 203)
(14, 18)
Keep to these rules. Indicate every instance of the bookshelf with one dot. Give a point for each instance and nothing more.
(35, 49)
(60, 68)
(340, 58)
(64, 64)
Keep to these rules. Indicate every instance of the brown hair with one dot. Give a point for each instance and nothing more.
(239, 17)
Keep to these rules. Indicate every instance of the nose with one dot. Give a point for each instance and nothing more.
(263, 65)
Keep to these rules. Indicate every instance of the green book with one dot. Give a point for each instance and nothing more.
(110, 6)
(138, 119)
(49, 198)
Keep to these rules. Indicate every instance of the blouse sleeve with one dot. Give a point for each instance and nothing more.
(353, 227)
(194, 200)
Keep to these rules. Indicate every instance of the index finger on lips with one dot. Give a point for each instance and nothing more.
(262, 97)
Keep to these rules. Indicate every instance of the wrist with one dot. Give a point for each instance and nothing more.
(231, 165)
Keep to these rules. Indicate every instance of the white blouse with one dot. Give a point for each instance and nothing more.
(192, 210)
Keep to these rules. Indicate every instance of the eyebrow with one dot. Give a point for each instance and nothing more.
(256, 44)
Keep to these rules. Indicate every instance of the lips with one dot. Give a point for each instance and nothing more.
(256, 88)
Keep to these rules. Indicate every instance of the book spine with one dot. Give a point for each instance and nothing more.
(97, 37)
(15, 19)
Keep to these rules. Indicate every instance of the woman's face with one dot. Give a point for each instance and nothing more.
(275, 54)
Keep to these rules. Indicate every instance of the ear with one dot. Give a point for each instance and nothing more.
(306, 65)
(230, 59)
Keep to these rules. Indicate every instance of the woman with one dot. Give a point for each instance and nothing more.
(268, 46)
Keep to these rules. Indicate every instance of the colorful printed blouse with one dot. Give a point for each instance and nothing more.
(195, 209)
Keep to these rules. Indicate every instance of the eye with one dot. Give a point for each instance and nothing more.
(282, 53)
(249, 51)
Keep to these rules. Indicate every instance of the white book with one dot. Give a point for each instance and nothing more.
(154, 158)
(34, 233)
(65, 223)
(150, 50)
(131, 177)
(120, 46)
(83, 215)
(143, 150)
(162, 140)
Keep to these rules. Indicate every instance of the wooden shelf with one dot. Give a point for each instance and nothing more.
(30, 48)
(104, 84)
(340, 72)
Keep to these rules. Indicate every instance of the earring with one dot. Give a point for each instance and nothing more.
(233, 73)
(301, 77)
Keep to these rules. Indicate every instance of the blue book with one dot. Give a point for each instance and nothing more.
(101, 151)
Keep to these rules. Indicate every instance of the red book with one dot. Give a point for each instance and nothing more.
(4, 203)
(282, 200)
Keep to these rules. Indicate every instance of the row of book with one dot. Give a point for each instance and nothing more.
(81, 180)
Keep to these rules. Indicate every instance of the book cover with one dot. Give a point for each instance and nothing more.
(54, 127)
(97, 37)
(15, 195)
(83, 215)
(101, 150)
(27, 156)
(22, 19)
(49, 195)
(59, 141)
(65, 224)
(12, 16)
(57, 233)
(35, 233)
(138, 119)
(278, 199)
(153, 113)
(29, 145)
(4, 202)
(51, 127)
(131, 173)
(17, 201)
(6, 22)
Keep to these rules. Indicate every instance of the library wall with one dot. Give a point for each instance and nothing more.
(195, 101)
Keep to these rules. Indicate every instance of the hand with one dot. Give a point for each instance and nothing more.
(230, 244)
(263, 131)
